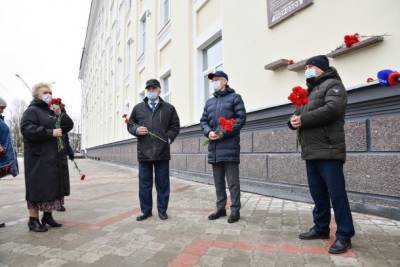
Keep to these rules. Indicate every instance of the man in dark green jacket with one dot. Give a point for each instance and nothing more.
(323, 147)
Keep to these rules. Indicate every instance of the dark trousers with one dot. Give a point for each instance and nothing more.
(326, 182)
(161, 171)
(231, 171)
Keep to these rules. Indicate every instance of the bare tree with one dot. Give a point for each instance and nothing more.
(17, 109)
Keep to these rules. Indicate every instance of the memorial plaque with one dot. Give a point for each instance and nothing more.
(279, 10)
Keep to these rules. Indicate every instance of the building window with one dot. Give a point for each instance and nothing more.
(142, 35)
(165, 87)
(165, 12)
(212, 61)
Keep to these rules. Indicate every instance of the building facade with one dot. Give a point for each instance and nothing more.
(180, 41)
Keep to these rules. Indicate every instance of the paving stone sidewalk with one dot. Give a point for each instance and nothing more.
(100, 229)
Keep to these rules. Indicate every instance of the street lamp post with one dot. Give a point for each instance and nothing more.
(23, 81)
(26, 85)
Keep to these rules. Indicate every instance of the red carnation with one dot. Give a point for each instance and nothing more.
(350, 40)
(224, 126)
(299, 96)
(57, 101)
(125, 117)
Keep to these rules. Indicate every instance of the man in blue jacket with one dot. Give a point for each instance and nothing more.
(224, 148)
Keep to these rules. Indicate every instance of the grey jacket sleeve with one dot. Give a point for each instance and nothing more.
(333, 108)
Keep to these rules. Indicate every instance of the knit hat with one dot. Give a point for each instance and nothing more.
(3, 103)
(320, 61)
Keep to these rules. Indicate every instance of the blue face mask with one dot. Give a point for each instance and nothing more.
(47, 98)
(310, 73)
(152, 95)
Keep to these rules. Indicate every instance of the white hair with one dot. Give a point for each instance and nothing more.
(36, 88)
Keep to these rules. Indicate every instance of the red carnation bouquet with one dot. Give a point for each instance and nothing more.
(54, 103)
(224, 126)
(126, 120)
(299, 98)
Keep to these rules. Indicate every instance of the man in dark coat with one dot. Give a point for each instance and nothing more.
(224, 148)
(322, 136)
(156, 124)
(43, 160)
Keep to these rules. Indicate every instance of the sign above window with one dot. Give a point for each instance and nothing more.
(279, 10)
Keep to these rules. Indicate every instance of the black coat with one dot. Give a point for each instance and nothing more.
(322, 132)
(226, 104)
(46, 169)
(164, 122)
(68, 149)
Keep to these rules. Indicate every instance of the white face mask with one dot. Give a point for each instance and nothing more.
(216, 85)
(47, 98)
(152, 95)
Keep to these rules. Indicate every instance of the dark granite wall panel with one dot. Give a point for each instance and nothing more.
(271, 165)
(385, 133)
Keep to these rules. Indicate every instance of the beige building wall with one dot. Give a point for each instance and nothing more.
(114, 71)
(249, 44)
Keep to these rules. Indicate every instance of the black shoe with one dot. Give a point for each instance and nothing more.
(48, 219)
(143, 217)
(234, 217)
(35, 225)
(340, 246)
(217, 214)
(163, 216)
(61, 209)
(312, 234)
(2, 225)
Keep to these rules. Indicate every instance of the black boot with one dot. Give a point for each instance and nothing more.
(61, 209)
(340, 246)
(217, 214)
(48, 219)
(35, 225)
(143, 217)
(234, 217)
(312, 235)
(2, 224)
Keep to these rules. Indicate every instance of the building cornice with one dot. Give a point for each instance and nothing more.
(94, 9)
